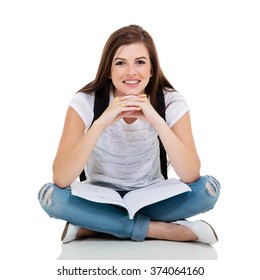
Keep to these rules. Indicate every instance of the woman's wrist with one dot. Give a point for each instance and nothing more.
(159, 124)
(99, 126)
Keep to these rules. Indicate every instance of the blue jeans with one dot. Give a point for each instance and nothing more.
(110, 219)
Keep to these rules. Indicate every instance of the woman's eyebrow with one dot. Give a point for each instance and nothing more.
(141, 57)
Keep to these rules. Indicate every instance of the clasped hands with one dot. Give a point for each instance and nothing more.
(129, 106)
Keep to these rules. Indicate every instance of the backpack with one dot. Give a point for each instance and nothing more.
(101, 103)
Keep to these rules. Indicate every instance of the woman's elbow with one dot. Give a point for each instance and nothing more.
(59, 182)
(191, 176)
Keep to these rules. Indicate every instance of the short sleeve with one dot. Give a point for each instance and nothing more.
(176, 107)
(83, 104)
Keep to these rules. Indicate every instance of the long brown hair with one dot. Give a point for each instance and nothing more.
(125, 36)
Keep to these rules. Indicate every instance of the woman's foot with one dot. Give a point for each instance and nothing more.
(72, 232)
(198, 231)
(204, 231)
(170, 231)
(84, 232)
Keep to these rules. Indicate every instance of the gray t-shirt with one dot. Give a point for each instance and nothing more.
(127, 156)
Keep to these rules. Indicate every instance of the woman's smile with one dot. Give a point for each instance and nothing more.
(131, 83)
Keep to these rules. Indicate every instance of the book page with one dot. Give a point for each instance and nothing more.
(139, 198)
(96, 193)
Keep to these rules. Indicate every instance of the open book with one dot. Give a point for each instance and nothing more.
(133, 200)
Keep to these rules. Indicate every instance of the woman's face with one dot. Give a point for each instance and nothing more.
(131, 69)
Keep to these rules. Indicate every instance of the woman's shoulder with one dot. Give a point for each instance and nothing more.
(176, 106)
(82, 97)
(83, 104)
(171, 95)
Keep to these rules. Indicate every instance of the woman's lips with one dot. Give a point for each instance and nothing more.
(131, 82)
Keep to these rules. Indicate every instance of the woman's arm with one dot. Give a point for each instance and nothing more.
(74, 149)
(178, 140)
(179, 144)
(76, 146)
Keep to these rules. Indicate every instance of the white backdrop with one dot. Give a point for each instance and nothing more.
(209, 50)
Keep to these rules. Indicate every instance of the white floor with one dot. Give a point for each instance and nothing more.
(107, 248)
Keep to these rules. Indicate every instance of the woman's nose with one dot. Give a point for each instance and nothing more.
(131, 70)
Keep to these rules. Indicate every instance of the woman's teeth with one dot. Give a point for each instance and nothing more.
(132, 82)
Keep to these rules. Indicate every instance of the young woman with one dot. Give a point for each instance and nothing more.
(120, 149)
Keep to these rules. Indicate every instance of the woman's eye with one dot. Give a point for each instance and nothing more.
(120, 63)
(140, 62)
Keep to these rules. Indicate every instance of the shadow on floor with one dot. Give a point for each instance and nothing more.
(103, 248)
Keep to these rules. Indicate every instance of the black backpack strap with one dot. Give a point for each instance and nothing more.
(100, 104)
(163, 155)
(82, 176)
